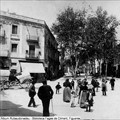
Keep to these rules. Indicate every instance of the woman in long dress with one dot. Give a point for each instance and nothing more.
(78, 90)
(67, 94)
(83, 95)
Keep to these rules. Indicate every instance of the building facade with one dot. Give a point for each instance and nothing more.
(26, 39)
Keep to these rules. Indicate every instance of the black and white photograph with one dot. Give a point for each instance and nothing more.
(59, 59)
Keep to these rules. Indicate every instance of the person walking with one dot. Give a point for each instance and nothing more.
(58, 87)
(112, 82)
(83, 94)
(45, 93)
(32, 93)
(97, 85)
(104, 87)
(93, 82)
(72, 84)
(66, 93)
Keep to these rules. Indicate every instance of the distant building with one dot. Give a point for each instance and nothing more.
(26, 39)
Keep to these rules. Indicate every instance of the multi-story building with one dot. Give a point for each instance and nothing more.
(29, 40)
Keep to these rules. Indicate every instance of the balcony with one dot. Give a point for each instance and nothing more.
(15, 36)
(31, 38)
(32, 56)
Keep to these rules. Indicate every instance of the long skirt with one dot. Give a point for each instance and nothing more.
(83, 99)
(66, 94)
(104, 88)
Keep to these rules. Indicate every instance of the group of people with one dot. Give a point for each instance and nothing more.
(104, 85)
(45, 94)
(83, 92)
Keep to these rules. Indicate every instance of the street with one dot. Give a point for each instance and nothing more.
(14, 102)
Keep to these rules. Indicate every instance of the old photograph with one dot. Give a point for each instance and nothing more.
(59, 58)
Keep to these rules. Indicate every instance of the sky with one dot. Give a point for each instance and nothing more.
(49, 9)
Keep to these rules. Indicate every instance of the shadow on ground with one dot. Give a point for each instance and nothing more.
(8, 108)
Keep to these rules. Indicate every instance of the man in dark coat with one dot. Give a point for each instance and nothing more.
(45, 93)
(32, 93)
(112, 82)
(93, 82)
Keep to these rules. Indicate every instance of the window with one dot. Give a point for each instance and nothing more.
(14, 48)
(31, 51)
(14, 29)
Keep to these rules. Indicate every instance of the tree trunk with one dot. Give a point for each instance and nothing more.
(100, 67)
(77, 61)
(93, 67)
(106, 65)
(86, 74)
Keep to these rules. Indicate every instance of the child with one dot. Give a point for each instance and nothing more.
(73, 99)
(58, 87)
(89, 101)
(32, 93)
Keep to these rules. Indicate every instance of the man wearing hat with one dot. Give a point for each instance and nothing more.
(32, 93)
(45, 93)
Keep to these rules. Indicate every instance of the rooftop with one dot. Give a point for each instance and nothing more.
(21, 17)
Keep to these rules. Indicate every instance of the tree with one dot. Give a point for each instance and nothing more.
(87, 38)
(69, 29)
(101, 39)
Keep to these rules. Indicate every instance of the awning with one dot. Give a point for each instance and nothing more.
(32, 67)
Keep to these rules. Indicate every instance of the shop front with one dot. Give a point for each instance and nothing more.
(36, 70)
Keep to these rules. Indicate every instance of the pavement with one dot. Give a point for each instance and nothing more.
(14, 101)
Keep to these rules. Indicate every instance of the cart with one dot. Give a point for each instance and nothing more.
(25, 79)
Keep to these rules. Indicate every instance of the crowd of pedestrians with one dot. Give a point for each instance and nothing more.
(80, 92)
(84, 92)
